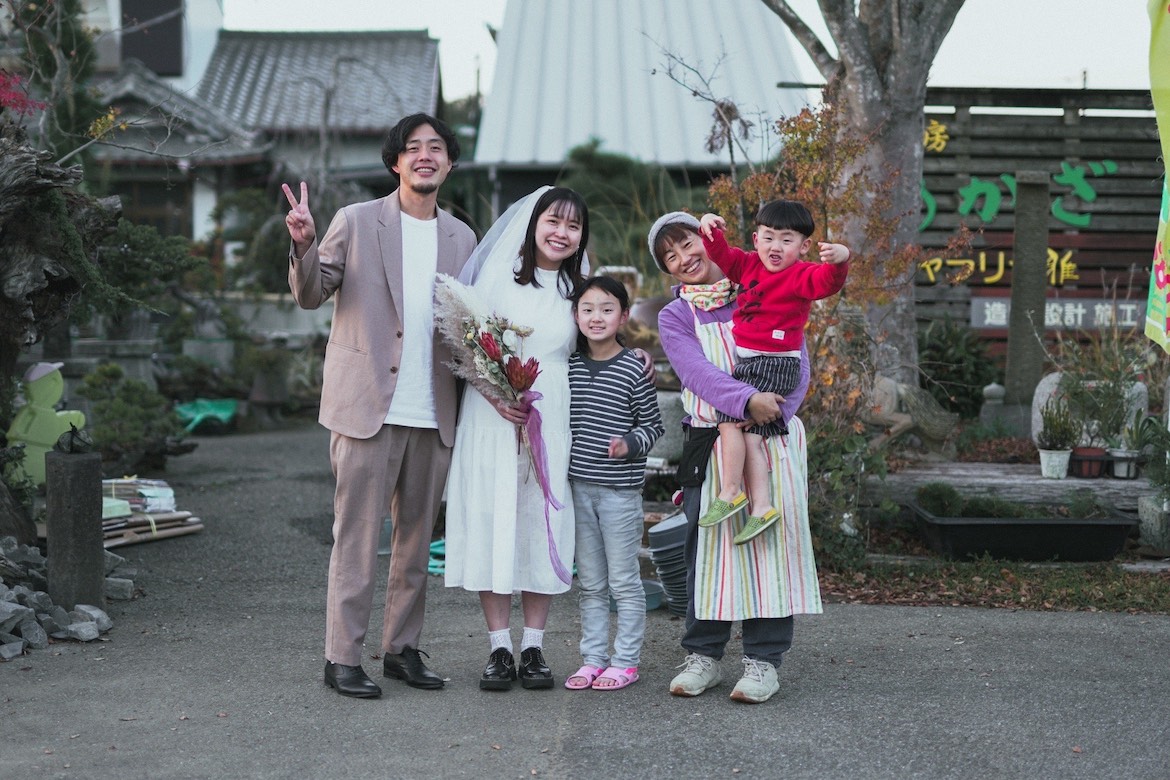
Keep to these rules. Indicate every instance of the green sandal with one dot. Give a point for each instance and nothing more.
(720, 510)
(756, 526)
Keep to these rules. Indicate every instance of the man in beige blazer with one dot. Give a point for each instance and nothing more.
(388, 397)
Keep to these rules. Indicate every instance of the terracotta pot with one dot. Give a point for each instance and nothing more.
(1087, 462)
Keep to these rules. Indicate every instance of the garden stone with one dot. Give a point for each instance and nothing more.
(59, 614)
(25, 554)
(5, 638)
(83, 632)
(40, 601)
(51, 626)
(11, 650)
(98, 616)
(7, 595)
(12, 614)
(119, 588)
(113, 561)
(34, 634)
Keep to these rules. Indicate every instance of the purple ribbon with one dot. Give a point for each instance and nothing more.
(535, 442)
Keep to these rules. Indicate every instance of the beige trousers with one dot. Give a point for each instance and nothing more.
(410, 466)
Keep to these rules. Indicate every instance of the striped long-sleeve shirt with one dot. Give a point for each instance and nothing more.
(611, 398)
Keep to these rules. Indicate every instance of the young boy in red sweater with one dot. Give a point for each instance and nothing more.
(776, 293)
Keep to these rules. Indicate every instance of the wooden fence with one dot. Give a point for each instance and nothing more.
(1102, 152)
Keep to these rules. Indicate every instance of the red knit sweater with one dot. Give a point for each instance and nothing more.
(773, 307)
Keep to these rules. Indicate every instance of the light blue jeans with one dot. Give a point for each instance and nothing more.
(609, 533)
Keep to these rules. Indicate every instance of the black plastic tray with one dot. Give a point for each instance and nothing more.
(1025, 539)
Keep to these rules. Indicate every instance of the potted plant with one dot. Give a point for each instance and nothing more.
(1058, 434)
(1126, 448)
(1099, 383)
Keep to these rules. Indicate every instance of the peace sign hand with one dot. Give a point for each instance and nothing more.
(300, 220)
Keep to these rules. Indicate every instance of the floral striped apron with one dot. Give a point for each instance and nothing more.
(774, 575)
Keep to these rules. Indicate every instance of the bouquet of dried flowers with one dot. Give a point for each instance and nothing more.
(486, 351)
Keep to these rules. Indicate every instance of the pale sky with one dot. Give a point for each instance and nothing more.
(1103, 44)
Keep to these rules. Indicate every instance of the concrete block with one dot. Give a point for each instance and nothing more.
(73, 486)
(1154, 522)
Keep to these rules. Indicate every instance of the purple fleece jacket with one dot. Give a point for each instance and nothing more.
(676, 329)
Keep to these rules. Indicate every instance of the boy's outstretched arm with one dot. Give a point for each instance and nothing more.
(833, 253)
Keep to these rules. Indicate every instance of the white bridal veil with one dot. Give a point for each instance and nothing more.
(499, 250)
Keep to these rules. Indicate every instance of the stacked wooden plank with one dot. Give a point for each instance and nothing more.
(151, 515)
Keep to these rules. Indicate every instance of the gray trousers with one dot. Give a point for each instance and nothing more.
(764, 639)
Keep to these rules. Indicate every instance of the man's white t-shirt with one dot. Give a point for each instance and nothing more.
(413, 404)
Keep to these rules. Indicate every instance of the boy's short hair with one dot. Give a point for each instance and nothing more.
(786, 215)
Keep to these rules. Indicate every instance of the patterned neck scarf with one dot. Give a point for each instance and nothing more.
(709, 297)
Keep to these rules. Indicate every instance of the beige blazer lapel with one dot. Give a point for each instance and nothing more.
(390, 242)
(448, 255)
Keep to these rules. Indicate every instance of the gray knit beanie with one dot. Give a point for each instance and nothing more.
(679, 217)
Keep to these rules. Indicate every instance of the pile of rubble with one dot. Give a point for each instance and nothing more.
(28, 616)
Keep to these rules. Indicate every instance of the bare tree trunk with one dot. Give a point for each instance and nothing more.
(884, 52)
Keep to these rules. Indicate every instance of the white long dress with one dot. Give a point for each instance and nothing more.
(496, 534)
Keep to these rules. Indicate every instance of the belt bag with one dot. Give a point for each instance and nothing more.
(692, 464)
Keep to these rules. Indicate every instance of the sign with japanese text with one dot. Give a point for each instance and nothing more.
(989, 313)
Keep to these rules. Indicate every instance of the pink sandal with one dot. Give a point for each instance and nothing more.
(586, 673)
(620, 678)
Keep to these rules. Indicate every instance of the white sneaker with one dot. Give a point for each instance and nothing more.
(701, 673)
(758, 683)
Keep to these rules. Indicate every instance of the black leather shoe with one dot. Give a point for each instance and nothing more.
(534, 672)
(409, 667)
(350, 681)
(500, 671)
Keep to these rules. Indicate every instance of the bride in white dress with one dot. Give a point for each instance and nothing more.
(498, 541)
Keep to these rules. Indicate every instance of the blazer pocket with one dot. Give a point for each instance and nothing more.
(346, 348)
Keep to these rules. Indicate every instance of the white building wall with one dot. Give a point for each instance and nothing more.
(203, 200)
(204, 20)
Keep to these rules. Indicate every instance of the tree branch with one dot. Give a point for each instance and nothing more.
(825, 63)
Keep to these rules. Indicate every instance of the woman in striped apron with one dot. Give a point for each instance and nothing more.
(767, 581)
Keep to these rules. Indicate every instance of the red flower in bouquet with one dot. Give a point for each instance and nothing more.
(490, 346)
(521, 374)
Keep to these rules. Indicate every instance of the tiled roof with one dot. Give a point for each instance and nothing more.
(278, 81)
(164, 124)
(569, 70)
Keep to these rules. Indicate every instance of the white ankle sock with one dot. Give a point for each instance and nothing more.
(501, 638)
(533, 637)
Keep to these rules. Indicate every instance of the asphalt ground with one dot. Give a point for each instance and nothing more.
(215, 671)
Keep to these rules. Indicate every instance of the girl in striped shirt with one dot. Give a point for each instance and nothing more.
(615, 421)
